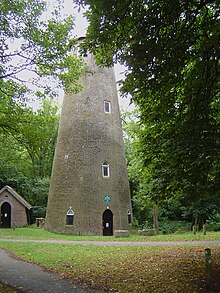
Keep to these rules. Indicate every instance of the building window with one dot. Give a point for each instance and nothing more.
(69, 217)
(105, 170)
(107, 107)
(129, 217)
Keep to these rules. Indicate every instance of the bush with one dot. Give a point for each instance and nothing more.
(144, 225)
(213, 224)
(168, 227)
(37, 212)
(165, 226)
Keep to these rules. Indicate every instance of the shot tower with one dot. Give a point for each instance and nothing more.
(89, 192)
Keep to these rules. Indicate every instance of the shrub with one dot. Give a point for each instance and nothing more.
(37, 212)
(168, 227)
(213, 223)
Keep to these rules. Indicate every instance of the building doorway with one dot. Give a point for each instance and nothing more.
(107, 220)
(6, 215)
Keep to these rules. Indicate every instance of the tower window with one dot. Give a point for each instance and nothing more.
(107, 107)
(129, 217)
(105, 170)
(69, 217)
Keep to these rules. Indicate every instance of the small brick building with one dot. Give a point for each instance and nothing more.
(15, 210)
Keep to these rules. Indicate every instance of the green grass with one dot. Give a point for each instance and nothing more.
(126, 269)
(31, 233)
(121, 269)
(5, 289)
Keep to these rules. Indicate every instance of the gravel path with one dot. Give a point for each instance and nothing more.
(121, 243)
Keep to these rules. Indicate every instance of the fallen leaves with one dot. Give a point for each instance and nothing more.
(129, 269)
(137, 270)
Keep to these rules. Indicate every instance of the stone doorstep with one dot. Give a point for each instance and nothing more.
(147, 232)
(121, 233)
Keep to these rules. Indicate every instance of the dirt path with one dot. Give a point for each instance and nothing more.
(121, 243)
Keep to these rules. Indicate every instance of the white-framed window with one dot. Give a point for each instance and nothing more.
(105, 169)
(69, 217)
(107, 107)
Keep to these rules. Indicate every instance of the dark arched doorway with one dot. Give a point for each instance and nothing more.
(107, 220)
(6, 215)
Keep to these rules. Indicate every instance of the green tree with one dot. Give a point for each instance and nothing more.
(27, 149)
(35, 59)
(171, 50)
(37, 132)
(177, 207)
(137, 173)
(38, 47)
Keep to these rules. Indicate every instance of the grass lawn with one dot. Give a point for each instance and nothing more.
(127, 269)
(39, 234)
(6, 289)
(123, 269)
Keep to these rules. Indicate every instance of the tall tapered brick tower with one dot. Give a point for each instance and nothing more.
(89, 192)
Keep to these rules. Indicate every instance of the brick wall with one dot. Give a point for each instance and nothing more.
(87, 138)
(18, 211)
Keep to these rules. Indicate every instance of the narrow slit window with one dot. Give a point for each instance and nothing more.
(69, 217)
(105, 170)
(107, 107)
(129, 217)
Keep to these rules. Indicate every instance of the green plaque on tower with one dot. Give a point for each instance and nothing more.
(107, 199)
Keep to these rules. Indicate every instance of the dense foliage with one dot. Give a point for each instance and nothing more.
(33, 47)
(35, 60)
(171, 50)
(27, 149)
(172, 209)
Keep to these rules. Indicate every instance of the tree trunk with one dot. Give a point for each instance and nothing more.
(155, 219)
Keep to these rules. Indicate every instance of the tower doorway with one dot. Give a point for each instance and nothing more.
(107, 220)
(5, 215)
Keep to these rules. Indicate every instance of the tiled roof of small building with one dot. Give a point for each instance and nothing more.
(16, 195)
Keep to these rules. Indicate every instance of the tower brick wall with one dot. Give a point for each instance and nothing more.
(89, 137)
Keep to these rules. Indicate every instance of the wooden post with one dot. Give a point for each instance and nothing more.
(155, 219)
(194, 230)
(208, 265)
(204, 229)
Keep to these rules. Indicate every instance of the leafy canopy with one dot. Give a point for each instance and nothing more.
(27, 148)
(171, 50)
(35, 56)
(33, 48)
